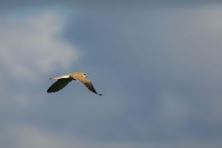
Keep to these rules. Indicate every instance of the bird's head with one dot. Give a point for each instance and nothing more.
(84, 75)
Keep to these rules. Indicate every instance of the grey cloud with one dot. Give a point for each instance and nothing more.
(161, 92)
(30, 136)
(154, 53)
(159, 79)
(13, 4)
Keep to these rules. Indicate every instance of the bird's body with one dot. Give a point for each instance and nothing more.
(64, 80)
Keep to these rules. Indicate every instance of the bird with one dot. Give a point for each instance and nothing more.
(62, 81)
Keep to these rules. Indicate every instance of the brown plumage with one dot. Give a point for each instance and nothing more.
(64, 80)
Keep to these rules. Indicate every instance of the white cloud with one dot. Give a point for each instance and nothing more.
(30, 45)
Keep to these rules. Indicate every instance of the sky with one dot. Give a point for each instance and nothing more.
(157, 64)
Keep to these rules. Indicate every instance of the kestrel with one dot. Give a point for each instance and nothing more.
(64, 80)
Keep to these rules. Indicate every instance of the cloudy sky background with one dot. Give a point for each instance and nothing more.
(158, 65)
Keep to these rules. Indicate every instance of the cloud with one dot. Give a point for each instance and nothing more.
(26, 137)
(166, 61)
(105, 2)
(31, 45)
(108, 4)
(159, 70)
(31, 48)
(29, 136)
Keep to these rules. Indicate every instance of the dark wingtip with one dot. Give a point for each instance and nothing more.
(49, 91)
(100, 94)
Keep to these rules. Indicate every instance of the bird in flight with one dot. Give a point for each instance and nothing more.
(64, 80)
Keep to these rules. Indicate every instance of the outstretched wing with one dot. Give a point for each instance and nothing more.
(61, 77)
(89, 85)
(59, 84)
